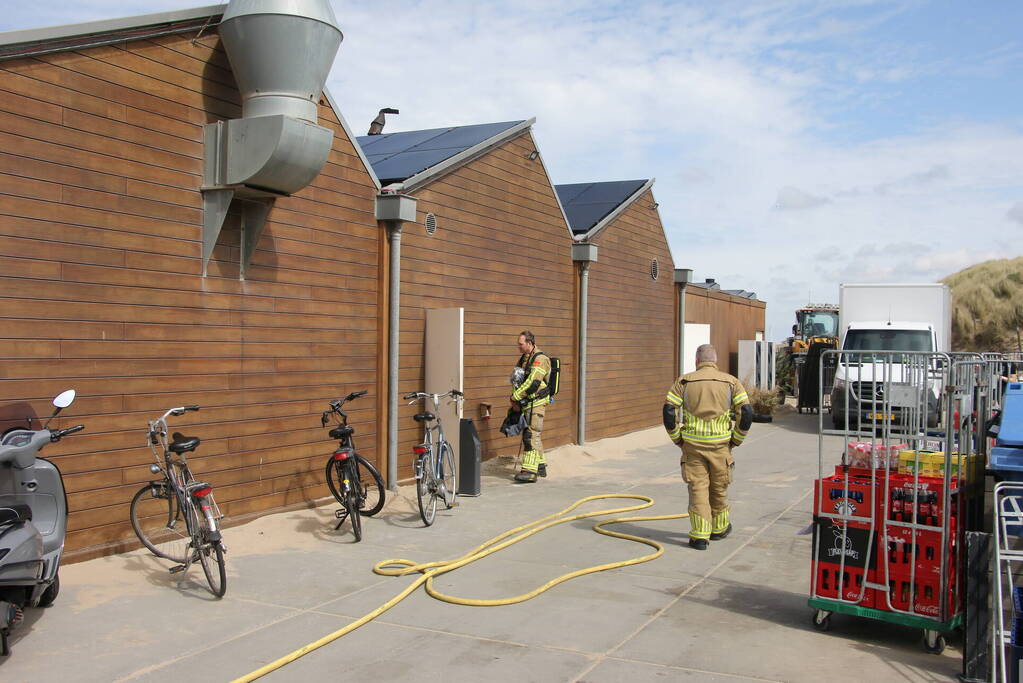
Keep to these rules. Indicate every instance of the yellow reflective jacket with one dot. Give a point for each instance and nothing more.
(538, 368)
(705, 405)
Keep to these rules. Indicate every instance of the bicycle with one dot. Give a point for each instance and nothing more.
(435, 462)
(345, 472)
(176, 517)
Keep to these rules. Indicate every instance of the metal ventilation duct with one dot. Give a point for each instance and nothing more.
(280, 52)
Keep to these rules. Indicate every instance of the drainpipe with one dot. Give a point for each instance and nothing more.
(683, 276)
(584, 254)
(393, 210)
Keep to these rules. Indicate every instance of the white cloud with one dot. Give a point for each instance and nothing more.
(736, 108)
(793, 199)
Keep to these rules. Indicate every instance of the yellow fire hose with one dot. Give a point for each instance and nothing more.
(429, 570)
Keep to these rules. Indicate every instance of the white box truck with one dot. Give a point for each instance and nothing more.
(886, 317)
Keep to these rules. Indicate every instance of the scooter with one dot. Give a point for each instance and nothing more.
(33, 520)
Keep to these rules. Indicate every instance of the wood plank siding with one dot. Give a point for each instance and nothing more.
(731, 318)
(501, 251)
(631, 325)
(101, 289)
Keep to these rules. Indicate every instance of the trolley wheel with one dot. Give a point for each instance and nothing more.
(821, 620)
(934, 642)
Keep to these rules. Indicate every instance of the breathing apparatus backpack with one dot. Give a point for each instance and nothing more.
(554, 378)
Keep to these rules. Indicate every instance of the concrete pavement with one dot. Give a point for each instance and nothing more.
(735, 612)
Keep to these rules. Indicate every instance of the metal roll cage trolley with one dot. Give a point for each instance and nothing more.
(1005, 463)
(889, 521)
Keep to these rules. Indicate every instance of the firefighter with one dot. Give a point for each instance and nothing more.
(707, 413)
(531, 397)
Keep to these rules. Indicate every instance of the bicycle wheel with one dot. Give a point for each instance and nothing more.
(157, 519)
(371, 487)
(449, 491)
(335, 480)
(211, 555)
(425, 487)
(353, 510)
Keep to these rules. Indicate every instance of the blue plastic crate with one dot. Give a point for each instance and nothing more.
(1010, 433)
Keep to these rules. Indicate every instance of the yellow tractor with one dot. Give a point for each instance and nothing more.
(816, 329)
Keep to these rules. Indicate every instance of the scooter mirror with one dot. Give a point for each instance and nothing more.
(65, 399)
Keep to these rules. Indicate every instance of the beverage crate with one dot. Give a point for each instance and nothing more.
(835, 539)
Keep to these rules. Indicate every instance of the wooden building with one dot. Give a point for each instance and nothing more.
(632, 311)
(101, 283)
(732, 314)
(104, 210)
(490, 237)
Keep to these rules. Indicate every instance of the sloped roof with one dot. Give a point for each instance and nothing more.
(399, 156)
(36, 41)
(587, 204)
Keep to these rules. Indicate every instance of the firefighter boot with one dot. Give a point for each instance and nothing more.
(530, 464)
(718, 535)
(721, 526)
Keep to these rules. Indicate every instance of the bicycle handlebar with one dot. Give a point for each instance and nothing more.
(179, 411)
(418, 395)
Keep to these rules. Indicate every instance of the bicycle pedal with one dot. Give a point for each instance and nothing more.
(340, 514)
(454, 504)
(178, 568)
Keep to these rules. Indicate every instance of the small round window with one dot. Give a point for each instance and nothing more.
(653, 269)
(431, 224)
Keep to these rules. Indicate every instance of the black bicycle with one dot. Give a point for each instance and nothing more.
(176, 517)
(352, 479)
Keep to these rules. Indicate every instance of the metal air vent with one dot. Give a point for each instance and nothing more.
(653, 269)
(431, 224)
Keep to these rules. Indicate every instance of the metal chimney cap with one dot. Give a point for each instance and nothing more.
(309, 9)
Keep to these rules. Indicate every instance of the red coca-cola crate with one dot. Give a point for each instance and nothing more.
(923, 507)
(845, 560)
(902, 548)
(925, 589)
(847, 494)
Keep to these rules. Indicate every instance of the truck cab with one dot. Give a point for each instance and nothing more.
(861, 378)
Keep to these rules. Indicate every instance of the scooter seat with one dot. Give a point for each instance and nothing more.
(424, 417)
(9, 514)
(183, 444)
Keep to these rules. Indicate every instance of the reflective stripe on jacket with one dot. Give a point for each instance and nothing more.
(538, 368)
(706, 405)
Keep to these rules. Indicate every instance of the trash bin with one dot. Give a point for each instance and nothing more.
(469, 459)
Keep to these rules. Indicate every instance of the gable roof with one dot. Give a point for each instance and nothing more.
(589, 204)
(416, 155)
(36, 41)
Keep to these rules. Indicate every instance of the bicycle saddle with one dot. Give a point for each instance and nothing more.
(424, 417)
(183, 444)
(340, 432)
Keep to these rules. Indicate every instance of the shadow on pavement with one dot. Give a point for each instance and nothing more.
(894, 643)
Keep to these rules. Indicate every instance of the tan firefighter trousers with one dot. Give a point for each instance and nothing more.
(707, 469)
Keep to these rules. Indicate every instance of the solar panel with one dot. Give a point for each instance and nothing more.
(586, 204)
(399, 156)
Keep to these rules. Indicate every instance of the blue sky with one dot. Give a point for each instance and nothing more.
(795, 144)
